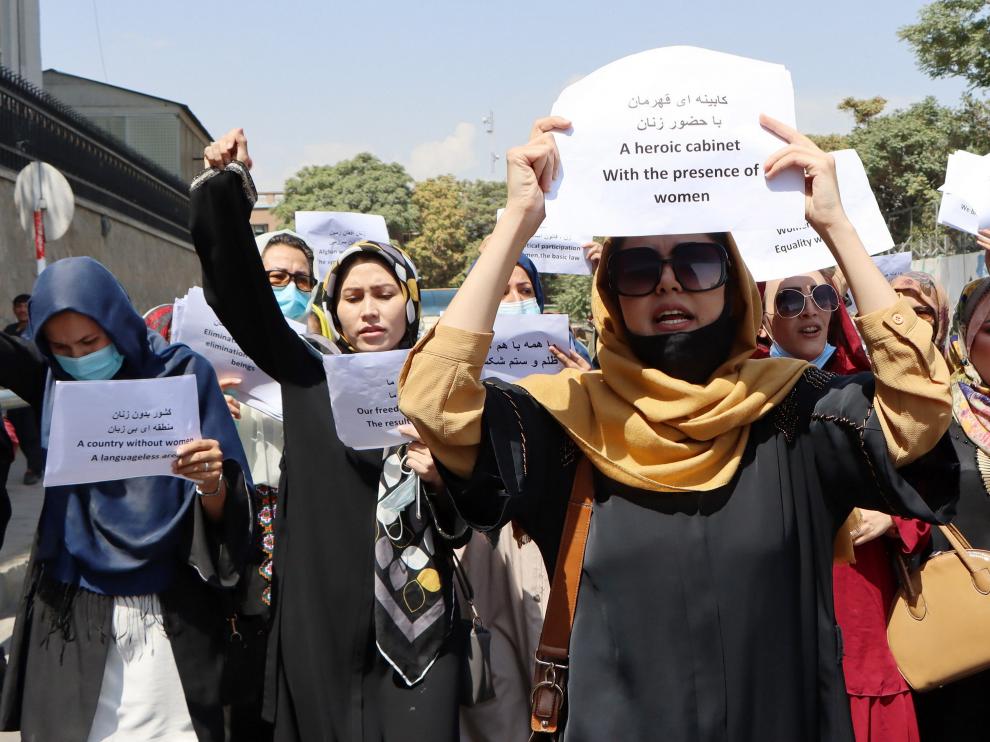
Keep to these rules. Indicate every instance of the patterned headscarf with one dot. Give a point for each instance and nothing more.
(970, 393)
(414, 601)
(924, 289)
(401, 267)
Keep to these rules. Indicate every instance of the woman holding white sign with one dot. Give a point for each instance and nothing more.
(123, 629)
(705, 606)
(361, 646)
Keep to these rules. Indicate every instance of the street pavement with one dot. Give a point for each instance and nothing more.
(25, 502)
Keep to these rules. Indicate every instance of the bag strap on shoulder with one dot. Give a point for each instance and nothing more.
(552, 655)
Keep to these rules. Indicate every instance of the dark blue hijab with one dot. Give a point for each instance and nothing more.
(534, 277)
(121, 537)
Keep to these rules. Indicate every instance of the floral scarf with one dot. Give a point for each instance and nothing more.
(970, 394)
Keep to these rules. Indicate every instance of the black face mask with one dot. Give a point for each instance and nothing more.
(692, 356)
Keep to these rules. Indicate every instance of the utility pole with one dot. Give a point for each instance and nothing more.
(489, 123)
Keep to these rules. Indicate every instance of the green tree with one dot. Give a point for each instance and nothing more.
(363, 184)
(482, 200)
(439, 248)
(570, 295)
(905, 153)
(863, 109)
(951, 38)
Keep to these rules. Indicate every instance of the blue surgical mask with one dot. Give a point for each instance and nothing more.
(291, 300)
(526, 306)
(777, 352)
(99, 365)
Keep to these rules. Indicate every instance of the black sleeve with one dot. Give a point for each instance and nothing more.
(218, 550)
(234, 277)
(23, 369)
(853, 461)
(524, 471)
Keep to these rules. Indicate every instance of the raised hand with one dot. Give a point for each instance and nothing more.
(231, 146)
(822, 207)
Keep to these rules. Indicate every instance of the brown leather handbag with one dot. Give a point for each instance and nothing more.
(939, 625)
(552, 655)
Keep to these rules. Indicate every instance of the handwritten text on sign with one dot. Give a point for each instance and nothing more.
(669, 141)
(521, 346)
(195, 324)
(107, 430)
(364, 395)
(791, 249)
(329, 233)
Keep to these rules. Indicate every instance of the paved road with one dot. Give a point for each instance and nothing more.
(26, 504)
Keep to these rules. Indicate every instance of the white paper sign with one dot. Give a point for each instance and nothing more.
(195, 324)
(364, 394)
(669, 141)
(894, 264)
(553, 250)
(107, 430)
(329, 233)
(791, 249)
(521, 346)
(966, 193)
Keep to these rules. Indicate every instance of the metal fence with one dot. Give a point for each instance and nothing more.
(100, 168)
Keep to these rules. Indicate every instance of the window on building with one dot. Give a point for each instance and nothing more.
(259, 229)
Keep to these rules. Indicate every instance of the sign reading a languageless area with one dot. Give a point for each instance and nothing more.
(102, 431)
(669, 141)
(364, 395)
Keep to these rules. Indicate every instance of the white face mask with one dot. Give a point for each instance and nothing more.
(526, 306)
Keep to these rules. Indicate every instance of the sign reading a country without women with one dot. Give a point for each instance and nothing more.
(669, 141)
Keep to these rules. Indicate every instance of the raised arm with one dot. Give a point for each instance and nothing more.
(912, 398)
(233, 275)
(440, 387)
(22, 369)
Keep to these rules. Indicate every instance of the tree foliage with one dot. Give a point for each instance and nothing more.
(905, 153)
(863, 109)
(439, 248)
(363, 184)
(952, 39)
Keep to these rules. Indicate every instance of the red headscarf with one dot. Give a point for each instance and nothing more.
(849, 357)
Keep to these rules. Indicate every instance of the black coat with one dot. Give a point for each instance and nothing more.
(708, 616)
(325, 680)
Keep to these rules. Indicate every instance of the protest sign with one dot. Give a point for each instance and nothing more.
(966, 193)
(195, 324)
(364, 395)
(329, 233)
(894, 264)
(791, 249)
(521, 346)
(669, 141)
(107, 430)
(553, 250)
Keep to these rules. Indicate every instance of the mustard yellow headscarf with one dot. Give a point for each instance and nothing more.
(649, 430)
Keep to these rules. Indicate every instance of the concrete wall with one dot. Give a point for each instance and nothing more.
(153, 267)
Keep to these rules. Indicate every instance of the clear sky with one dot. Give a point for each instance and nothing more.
(315, 82)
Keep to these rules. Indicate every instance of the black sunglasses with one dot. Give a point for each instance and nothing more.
(697, 266)
(279, 277)
(790, 302)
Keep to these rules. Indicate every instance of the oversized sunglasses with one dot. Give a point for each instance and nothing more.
(279, 277)
(790, 302)
(697, 266)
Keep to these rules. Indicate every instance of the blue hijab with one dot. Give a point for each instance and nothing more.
(121, 537)
(534, 278)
